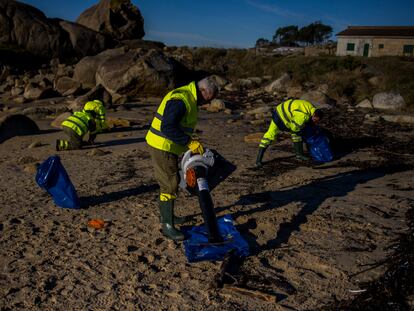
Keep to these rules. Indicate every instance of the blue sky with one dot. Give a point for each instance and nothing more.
(239, 23)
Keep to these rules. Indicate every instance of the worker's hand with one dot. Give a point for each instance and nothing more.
(195, 147)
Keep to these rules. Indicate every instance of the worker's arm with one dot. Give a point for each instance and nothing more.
(269, 136)
(92, 131)
(170, 126)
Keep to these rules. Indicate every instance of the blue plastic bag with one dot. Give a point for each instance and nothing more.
(318, 144)
(197, 247)
(52, 176)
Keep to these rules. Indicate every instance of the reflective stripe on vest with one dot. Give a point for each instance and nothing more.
(78, 122)
(156, 138)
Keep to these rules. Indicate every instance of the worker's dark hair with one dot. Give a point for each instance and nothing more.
(318, 113)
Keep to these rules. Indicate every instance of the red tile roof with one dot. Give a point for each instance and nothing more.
(378, 31)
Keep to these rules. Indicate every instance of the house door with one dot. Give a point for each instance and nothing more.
(366, 49)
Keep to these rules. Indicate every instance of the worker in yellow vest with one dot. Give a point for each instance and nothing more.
(292, 116)
(169, 136)
(90, 120)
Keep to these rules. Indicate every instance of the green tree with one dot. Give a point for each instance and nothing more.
(261, 42)
(286, 36)
(315, 33)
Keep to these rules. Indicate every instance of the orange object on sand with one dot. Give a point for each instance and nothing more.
(96, 223)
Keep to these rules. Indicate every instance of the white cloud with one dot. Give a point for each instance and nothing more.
(275, 9)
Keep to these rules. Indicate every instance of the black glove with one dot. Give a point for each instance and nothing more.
(260, 157)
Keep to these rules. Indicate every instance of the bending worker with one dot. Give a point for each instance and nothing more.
(292, 116)
(90, 120)
(169, 136)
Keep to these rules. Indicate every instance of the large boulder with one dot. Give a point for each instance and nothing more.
(14, 125)
(366, 103)
(278, 85)
(85, 41)
(137, 72)
(67, 86)
(85, 69)
(318, 99)
(34, 91)
(26, 27)
(388, 101)
(118, 18)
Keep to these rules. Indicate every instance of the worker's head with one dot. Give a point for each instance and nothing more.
(95, 108)
(317, 116)
(208, 90)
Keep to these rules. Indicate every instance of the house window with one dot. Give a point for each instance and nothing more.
(381, 46)
(408, 49)
(350, 47)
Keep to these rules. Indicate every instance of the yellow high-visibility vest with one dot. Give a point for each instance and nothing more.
(295, 113)
(156, 138)
(79, 122)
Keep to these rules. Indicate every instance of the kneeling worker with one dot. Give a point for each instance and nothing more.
(169, 136)
(292, 116)
(90, 120)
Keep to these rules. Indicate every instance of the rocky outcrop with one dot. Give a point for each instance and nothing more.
(278, 85)
(14, 125)
(318, 99)
(34, 91)
(388, 101)
(68, 86)
(366, 103)
(137, 72)
(85, 69)
(118, 18)
(26, 27)
(84, 41)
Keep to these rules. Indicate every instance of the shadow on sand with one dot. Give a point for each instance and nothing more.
(119, 142)
(115, 196)
(311, 196)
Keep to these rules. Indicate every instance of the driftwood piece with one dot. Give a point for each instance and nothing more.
(231, 289)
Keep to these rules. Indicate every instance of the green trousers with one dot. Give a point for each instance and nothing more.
(165, 170)
(74, 142)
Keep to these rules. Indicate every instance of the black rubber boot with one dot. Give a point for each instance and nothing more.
(260, 157)
(167, 222)
(298, 147)
(61, 145)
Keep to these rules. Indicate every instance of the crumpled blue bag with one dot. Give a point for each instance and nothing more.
(197, 247)
(52, 176)
(318, 144)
